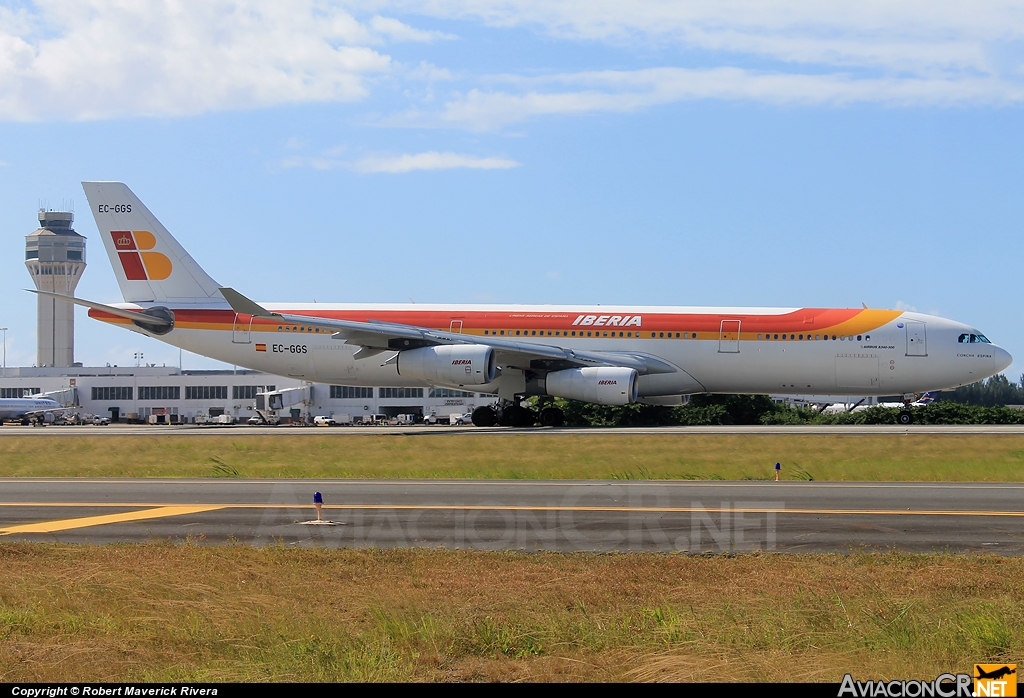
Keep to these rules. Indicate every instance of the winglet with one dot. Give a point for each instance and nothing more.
(242, 305)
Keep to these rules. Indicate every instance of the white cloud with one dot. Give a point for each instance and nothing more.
(399, 31)
(85, 59)
(102, 58)
(400, 164)
(626, 91)
(900, 305)
(897, 34)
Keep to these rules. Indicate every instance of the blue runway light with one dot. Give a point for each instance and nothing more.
(319, 498)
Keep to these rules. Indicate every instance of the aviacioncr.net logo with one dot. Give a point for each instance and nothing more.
(944, 686)
(139, 263)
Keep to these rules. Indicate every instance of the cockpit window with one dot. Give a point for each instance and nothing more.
(973, 339)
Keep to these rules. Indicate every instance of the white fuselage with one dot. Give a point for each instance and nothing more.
(13, 409)
(873, 352)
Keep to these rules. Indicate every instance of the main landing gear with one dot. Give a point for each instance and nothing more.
(906, 416)
(512, 414)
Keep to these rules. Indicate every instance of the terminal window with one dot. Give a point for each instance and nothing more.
(159, 392)
(447, 392)
(248, 392)
(401, 392)
(19, 392)
(341, 392)
(206, 392)
(112, 393)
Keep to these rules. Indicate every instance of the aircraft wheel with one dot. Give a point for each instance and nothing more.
(484, 417)
(551, 417)
(517, 416)
(906, 417)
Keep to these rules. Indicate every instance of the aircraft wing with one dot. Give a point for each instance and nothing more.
(375, 337)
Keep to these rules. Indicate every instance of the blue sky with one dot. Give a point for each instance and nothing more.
(738, 153)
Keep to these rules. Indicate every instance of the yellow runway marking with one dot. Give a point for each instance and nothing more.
(175, 509)
(67, 524)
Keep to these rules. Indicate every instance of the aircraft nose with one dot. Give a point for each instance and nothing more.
(1002, 359)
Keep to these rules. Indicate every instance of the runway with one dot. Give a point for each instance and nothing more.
(670, 516)
(422, 430)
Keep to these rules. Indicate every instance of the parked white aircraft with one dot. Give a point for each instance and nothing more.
(610, 355)
(25, 409)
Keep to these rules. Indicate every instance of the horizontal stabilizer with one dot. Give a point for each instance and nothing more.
(119, 312)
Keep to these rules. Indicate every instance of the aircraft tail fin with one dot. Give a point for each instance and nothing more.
(150, 265)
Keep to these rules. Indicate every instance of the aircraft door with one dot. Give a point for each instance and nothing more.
(917, 339)
(456, 327)
(729, 338)
(241, 332)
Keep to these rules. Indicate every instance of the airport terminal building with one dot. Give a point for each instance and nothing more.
(137, 392)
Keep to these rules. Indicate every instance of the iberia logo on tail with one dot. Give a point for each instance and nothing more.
(138, 264)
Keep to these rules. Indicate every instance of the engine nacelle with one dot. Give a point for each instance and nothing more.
(48, 418)
(456, 364)
(604, 386)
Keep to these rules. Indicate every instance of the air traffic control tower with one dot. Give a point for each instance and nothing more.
(55, 257)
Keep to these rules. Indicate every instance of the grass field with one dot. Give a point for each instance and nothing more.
(925, 457)
(191, 613)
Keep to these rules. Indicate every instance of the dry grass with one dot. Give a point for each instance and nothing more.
(162, 612)
(926, 457)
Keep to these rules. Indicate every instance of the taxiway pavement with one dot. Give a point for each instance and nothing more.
(516, 515)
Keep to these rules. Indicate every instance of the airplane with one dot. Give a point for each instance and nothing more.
(25, 409)
(839, 407)
(995, 674)
(610, 355)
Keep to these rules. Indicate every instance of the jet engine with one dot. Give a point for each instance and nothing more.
(457, 364)
(605, 386)
(48, 418)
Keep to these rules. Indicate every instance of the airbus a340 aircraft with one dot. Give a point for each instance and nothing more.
(611, 355)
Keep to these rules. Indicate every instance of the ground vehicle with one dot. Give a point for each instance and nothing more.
(101, 421)
(324, 421)
(460, 419)
(256, 420)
